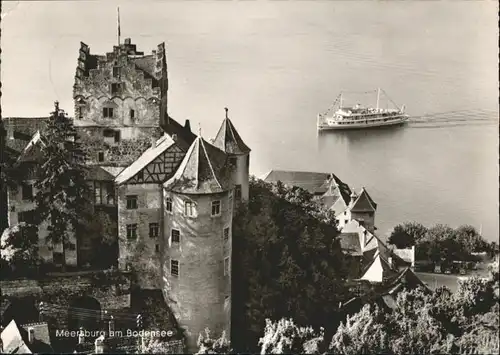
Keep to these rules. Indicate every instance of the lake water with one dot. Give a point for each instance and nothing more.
(276, 64)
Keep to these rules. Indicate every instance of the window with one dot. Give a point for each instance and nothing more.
(345, 221)
(140, 175)
(132, 231)
(230, 199)
(117, 136)
(58, 258)
(132, 114)
(27, 191)
(237, 192)
(115, 88)
(232, 161)
(189, 208)
(226, 266)
(27, 217)
(154, 230)
(215, 208)
(174, 267)
(110, 197)
(98, 192)
(100, 156)
(116, 71)
(72, 246)
(80, 112)
(107, 112)
(157, 248)
(175, 235)
(168, 204)
(132, 202)
(225, 235)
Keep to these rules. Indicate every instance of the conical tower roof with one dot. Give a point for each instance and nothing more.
(364, 203)
(228, 139)
(202, 171)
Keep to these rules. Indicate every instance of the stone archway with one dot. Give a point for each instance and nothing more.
(84, 311)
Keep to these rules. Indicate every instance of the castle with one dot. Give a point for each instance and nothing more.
(169, 192)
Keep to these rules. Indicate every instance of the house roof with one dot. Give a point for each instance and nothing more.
(406, 278)
(30, 151)
(147, 157)
(15, 339)
(228, 139)
(378, 271)
(202, 171)
(182, 134)
(25, 125)
(96, 172)
(364, 203)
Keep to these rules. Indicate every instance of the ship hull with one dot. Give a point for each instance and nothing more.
(363, 124)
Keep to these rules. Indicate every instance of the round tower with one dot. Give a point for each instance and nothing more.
(197, 242)
(229, 141)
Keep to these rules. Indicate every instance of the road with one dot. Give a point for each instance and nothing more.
(434, 281)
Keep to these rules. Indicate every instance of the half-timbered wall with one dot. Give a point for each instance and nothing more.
(161, 168)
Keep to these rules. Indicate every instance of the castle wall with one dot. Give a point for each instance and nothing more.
(140, 253)
(200, 296)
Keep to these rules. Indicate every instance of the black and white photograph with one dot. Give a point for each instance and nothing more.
(249, 176)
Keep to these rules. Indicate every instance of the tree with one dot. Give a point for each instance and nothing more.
(208, 345)
(285, 337)
(407, 234)
(62, 194)
(290, 263)
(19, 249)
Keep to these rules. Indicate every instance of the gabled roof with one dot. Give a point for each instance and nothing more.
(364, 203)
(202, 171)
(147, 157)
(183, 135)
(406, 278)
(228, 140)
(378, 271)
(32, 150)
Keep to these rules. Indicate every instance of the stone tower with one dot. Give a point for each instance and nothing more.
(119, 97)
(196, 250)
(229, 141)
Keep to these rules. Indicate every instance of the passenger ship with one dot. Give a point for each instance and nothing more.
(358, 117)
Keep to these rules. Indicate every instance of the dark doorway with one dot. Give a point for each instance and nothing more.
(84, 312)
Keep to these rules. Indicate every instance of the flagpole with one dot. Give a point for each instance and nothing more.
(119, 27)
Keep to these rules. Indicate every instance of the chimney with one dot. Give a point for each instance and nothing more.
(81, 336)
(41, 311)
(99, 345)
(153, 142)
(154, 53)
(127, 41)
(31, 335)
(187, 126)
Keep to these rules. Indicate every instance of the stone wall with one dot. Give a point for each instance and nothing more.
(141, 254)
(200, 296)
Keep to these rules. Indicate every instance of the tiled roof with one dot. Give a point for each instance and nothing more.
(147, 157)
(202, 171)
(113, 170)
(406, 278)
(182, 134)
(95, 172)
(228, 139)
(364, 203)
(31, 151)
